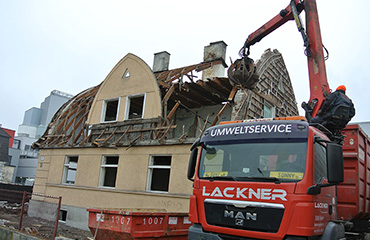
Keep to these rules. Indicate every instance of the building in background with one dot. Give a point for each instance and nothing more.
(6, 169)
(34, 124)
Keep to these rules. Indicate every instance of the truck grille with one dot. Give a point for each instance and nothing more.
(254, 216)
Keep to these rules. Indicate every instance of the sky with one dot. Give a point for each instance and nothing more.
(72, 45)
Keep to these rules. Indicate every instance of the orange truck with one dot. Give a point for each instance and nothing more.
(281, 178)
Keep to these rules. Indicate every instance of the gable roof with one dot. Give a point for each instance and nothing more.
(4, 134)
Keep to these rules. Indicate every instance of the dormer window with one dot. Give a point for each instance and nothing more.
(110, 110)
(135, 106)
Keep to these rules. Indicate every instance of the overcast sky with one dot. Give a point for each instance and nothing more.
(72, 45)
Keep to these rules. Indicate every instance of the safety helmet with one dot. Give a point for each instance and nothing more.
(341, 87)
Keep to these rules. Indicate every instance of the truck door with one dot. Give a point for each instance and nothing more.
(325, 202)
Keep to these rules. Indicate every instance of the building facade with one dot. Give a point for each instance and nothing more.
(125, 143)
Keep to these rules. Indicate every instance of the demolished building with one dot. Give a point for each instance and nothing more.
(125, 143)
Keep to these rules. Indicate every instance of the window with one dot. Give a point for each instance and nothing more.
(268, 110)
(280, 84)
(63, 215)
(110, 110)
(126, 74)
(70, 169)
(16, 144)
(159, 173)
(135, 106)
(320, 163)
(285, 160)
(108, 173)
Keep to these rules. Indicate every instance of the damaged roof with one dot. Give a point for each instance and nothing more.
(179, 88)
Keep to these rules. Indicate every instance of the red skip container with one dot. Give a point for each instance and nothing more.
(112, 224)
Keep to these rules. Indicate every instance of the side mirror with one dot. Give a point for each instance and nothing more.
(192, 163)
(335, 163)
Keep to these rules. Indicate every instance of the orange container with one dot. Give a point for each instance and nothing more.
(354, 193)
(137, 224)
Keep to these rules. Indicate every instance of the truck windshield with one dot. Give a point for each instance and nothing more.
(278, 161)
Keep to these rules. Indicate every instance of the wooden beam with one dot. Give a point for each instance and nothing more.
(132, 142)
(165, 133)
(172, 112)
(110, 136)
(232, 93)
(204, 126)
(163, 84)
(169, 93)
(219, 114)
(85, 139)
(120, 138)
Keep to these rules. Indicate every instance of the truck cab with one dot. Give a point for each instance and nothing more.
(268, 179)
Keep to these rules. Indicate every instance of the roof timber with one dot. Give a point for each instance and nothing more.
(180, 87)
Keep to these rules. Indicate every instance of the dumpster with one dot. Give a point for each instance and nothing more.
(109, 224)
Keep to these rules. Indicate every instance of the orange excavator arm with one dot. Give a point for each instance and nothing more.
(319, 87)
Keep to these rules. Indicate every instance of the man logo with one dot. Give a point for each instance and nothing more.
(240, 215)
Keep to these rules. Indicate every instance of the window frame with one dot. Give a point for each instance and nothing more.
(325, 170)
(128, 104)
(151, 166)
(270, 106)
(104, 109)
(66, 167)
(103, 167)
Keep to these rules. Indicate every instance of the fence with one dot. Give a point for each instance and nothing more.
(15, 203)
(15, 195)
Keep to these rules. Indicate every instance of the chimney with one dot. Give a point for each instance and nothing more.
(215, 51)
(161, 61)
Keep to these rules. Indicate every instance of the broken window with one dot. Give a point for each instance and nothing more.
(110, 110)
(268, 110)
(159, 173)
(70, 169)
(135, 106)
(108, 173)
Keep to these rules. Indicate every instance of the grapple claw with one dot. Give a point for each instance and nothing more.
(243, 72)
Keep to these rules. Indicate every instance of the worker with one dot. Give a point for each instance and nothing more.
(336, 111)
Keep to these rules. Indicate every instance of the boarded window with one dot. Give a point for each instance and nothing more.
(110, 110)
(159, 173)
(108, 174)
(70, 169)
